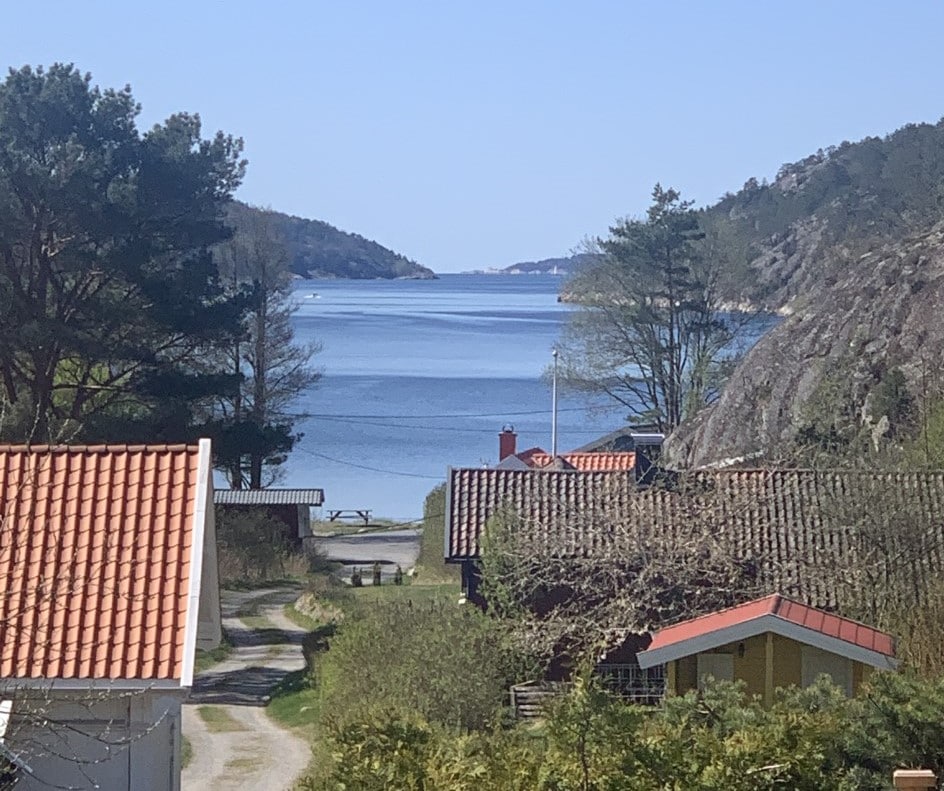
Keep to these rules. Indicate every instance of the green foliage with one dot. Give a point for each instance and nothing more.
(650, 333)
(714, 740)
(442, 661)
(253, 545)
(316, 249)
(430, 566)
(407, 753)
(855, 412)
(253, 428)
(926, 446)
(857, 193)
(108, 292)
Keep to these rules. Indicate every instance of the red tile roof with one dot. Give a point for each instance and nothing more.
(527, 456)
(95, 560)
(795, 527)
(820, 621)
(589, 462)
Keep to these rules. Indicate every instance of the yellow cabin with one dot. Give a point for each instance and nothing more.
(768, 643)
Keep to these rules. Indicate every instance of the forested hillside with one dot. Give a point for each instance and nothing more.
(804, 230)
(317, 249)
(849, 244)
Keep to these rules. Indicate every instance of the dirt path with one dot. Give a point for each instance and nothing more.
(242, 748)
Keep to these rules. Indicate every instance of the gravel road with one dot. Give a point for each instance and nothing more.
(253, 753)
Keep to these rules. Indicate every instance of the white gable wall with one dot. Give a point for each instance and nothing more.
(93, 740)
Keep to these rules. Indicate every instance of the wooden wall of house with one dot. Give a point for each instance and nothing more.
(750, 666)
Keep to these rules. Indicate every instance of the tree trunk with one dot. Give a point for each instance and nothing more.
(259, 372)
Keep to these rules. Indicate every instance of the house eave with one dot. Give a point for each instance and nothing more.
(95, 685)
(204, 500)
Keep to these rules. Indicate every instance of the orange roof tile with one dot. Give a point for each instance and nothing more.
(589, 462)
(95, 560)
(812, 618)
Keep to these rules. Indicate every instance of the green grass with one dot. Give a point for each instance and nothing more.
(353, 528)
(301, 620)
(296, 704)
(218, 720)
(430, 566)
(246, 764)
(204, 660)
(416, 592)
(186, 752)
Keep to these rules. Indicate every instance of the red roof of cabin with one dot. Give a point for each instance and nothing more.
(95, 560)
(589, 462)
(800, 614)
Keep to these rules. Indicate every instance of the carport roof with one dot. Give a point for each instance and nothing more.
(269, 497)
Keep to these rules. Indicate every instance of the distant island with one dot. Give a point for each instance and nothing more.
(319, 250)
(564, 266)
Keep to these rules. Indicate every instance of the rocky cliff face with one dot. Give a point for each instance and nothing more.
(854, 316)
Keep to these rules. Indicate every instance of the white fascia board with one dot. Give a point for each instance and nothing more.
(701, 643)
(204, 500)
(834, 645)
(92, 685)
(760, 625)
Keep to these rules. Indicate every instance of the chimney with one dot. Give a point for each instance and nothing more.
(648, 449)
(507, 442)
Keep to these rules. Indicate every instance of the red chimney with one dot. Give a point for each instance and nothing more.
(507, 442)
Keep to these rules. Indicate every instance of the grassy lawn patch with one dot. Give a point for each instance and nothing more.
(204, 660)
(301, 620)
(296, 704)
(416, 592)
(218, 719)
(325, 529)
(186, 752)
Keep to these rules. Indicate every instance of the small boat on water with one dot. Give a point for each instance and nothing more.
(313, 295)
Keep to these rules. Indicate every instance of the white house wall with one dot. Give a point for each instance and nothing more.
(209, 623)
(131, 741)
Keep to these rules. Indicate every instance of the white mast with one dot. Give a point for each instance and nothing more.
(554, 407)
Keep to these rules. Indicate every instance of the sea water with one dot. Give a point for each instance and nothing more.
(421, 375)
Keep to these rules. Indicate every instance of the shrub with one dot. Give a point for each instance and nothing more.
(430, 565)
(253, 545)
(439, 660)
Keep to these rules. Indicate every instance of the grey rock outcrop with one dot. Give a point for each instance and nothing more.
(868, 314)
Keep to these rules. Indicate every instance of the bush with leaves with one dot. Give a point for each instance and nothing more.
(439, 660)
(253, 545)
(716, 739)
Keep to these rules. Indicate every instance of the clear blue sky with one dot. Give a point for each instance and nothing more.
(468, 135)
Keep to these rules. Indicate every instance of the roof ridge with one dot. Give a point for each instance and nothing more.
(774, 598)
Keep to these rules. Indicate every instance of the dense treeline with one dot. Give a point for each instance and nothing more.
(847, 195)
(130, 309)
(316, 249)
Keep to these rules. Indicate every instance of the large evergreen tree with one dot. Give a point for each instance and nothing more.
(108, 291)
(649, 332)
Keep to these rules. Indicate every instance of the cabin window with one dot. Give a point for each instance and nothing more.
(816, 662)
(719, 666)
